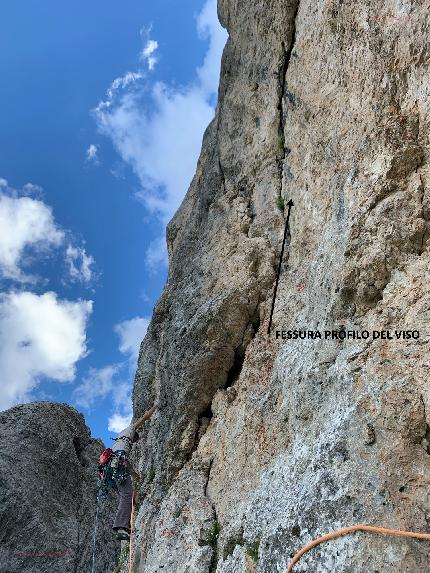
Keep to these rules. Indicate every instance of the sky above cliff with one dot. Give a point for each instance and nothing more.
(104, 105)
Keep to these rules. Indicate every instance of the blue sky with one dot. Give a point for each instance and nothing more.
(103, 110)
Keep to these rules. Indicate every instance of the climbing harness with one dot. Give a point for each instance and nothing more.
(113, 472)
(351, 529)
(93, 567)
(130, 551)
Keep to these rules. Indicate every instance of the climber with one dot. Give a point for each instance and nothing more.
(117, 472)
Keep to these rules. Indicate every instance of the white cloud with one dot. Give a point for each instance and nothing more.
(27, 226)
(28, 231)
(98, 384)
(31, 189)
(131, 333)
(40, 337)
(208, 26)
(115, 381)
(158, 129)
(118, 84)
(148, 54)
(156, 254)
(123, 407)
(79, 264)
(117, 422)
(92, 153)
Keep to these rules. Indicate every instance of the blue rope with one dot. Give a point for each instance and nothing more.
(93, 569)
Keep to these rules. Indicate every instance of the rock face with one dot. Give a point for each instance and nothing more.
(48, 469)
(261, 444)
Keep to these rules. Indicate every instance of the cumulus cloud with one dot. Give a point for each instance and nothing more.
(157, 128)
(79, 264)
(115, 381)
(92, 153)
(41, 336)
(29, 231)
(27, 228)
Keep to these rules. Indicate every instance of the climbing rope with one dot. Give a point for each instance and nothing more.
(351, 529)
(93, 568)
(130, 553)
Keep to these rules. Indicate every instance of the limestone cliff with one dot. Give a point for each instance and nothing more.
(262, 444)
(48, 471)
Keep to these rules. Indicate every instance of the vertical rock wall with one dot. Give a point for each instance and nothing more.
(262, 444)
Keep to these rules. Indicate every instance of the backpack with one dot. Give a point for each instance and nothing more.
(105, 456)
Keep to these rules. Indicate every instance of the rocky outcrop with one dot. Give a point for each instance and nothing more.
(261, 444)
(48, 471)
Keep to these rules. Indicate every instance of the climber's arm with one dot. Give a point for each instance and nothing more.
(146, 416)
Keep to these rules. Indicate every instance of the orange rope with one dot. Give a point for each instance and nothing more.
(130, 553)
(351, 529)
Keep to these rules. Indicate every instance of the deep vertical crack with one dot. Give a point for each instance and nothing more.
(286, 59)
(239, 352)
(221, 171)
(215, 526)
(232, 375)
(218, 150)
(423, 214)
(208, 478)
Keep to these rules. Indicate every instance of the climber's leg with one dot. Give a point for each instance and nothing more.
(123, 514)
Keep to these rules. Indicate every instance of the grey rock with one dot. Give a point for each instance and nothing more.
(326, 103)
(48, 484)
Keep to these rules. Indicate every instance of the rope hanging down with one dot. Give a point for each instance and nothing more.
(93, 565)
(130, 552)
(351, 529)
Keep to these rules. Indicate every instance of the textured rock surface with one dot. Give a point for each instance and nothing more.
(48, 469)
(272, 442)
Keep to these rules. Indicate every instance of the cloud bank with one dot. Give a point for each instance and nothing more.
(157, 128)
(41, 335)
